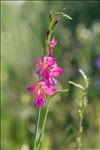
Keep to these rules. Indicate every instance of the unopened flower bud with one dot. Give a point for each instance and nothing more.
(56, 21)
(50, 15)
(47, 34)
(51, 52)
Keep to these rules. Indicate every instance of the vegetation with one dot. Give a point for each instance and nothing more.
(23, 31)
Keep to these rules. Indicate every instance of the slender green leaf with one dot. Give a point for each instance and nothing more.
(77, 85)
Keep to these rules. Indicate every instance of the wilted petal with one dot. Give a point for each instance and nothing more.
(50, 90)
(40, 101)
(32, 89)
(57, 71)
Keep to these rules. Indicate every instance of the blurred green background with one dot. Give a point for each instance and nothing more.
(23, 31)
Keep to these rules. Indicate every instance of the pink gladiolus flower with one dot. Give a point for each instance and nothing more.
(54, 72)
(53, 43)
(47, 69)
(44, 64)
(50, 61)
(41, 89)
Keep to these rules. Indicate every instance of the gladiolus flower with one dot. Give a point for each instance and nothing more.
(44, 64)
(41, 89)
(54, 72)
(47, 69)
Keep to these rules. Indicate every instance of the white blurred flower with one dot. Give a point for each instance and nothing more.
(25, 147)
(83, 33)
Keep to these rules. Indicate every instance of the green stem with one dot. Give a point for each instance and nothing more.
(80, 133)
(81, 115)
(46, 115)
(45, 118)
(57, 15)
(37, 126)
(48, 39)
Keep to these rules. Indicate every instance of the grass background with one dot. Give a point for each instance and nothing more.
(24, 24)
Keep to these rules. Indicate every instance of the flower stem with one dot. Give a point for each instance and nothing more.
(48, 39)
(46, 115)
(79, 144)
(37, 126)
(45, 118)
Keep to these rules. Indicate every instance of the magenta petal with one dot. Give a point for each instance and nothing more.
(57, 71)
(51, 81)
(32, 89)
(40, 101)
(46, 73)
(54, 81)
(50, 90)
(50, 61)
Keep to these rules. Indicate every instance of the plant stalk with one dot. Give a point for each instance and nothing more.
(44, 123)
(37, 127)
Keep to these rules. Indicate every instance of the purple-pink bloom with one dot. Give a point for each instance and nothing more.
(51, 80)
(47, 69)
(50, 61)
(46, 61)
(54, 72)
(44, 64)
(40, 100)
(41, 89)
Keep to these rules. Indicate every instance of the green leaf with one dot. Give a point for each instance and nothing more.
(59, 92)
(84, 77)
(63, 14)
(77, 85)
(83, 74)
